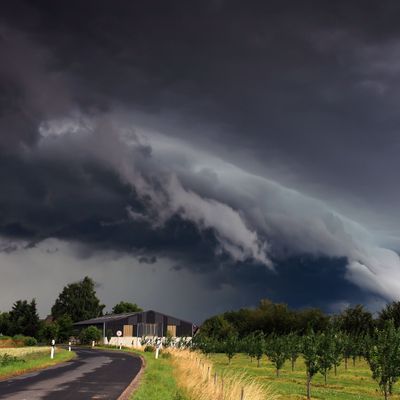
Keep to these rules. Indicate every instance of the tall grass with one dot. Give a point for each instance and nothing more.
(23, 351)
(196, 375)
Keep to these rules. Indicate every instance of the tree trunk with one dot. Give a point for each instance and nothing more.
(345, 363)
(258, 363)
(325, 377)
(277, 372)
(308, 387)
(354, 361)
(335, 370)
(292, 365)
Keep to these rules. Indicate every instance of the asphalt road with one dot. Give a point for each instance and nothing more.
(94, 374)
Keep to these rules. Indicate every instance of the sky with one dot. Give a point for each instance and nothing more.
(196, 157)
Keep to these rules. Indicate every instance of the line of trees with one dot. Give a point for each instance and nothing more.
(77, 301)
(323, 341)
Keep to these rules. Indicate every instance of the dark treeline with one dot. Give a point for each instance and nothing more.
(279, 319)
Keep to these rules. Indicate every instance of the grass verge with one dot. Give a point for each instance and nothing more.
(158, 381)
(33, 361)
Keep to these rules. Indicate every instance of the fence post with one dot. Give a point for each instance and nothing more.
(215, 378)
(242, 394)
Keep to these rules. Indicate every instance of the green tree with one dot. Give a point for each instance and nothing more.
(338, 349)
(217, 327)
(5, 328)
(231, 346)
(294, 348)
(65, 327)
(310, 350)
(125, 307)
(326, 350)
(356, 321)
(48, 332)
(384, 358)
(89, 334)
(24, 318)
(79, 301)
(277, 351)
(390, 312)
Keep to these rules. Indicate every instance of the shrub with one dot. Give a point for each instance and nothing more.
(6, 359)
(3, 337)
(18, 337)
(149, 349)
(89, 334)
(30, 341)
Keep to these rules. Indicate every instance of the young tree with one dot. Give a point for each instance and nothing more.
(231, 346)
(338, 348)
(125, 307)
(79, 301)
(277, 351)
(24, 318)
(310, 350)
(259, 347)
(89, 334)
(384, 358)
(326, 351)
(294, 348)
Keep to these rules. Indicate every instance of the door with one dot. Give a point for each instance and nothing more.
(128, 330)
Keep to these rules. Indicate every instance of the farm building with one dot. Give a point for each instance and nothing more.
(138, 324)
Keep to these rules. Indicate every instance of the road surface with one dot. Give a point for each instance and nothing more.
(94, 374)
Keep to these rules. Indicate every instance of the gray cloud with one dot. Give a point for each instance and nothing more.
(218, 137)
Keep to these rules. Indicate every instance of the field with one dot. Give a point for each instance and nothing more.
(354, 384)
(34, 358)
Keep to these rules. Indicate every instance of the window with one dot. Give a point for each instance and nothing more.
(147, 329)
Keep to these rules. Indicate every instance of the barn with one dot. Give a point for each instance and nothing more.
(138, 324)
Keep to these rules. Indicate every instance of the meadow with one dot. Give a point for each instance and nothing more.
(354, 384)
(30, 359)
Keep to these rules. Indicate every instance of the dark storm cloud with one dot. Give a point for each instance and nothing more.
(130, 126)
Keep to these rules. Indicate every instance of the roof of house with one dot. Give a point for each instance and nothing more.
(116, 317)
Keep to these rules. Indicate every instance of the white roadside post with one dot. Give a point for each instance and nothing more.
(119, 334)
(92, 344)
(53, 343)
(69, 346)
(158, 345)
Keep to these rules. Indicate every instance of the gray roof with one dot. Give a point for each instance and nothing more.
(106, 318)
(116, 317)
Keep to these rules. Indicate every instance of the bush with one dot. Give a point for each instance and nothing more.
(6, 359)
(18, 337)
(3, 337)
(149, 349)
(89, 334)
(30, 341)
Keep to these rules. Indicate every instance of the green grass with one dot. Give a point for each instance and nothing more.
(35, 361)
(158, 382)
(354, 384)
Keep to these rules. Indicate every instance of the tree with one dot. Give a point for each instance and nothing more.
(355, 321)
(125, 307)
(5, 324)
(326, 351)
(390, 312)
(65, 326)
(79, 301)
(231, 346)
(310, 349)
(89, 334)
(294, 348)
(48, 332)
(384, 358)
(338, 349)
(217, 327)
(24, 318)
(277, 351)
